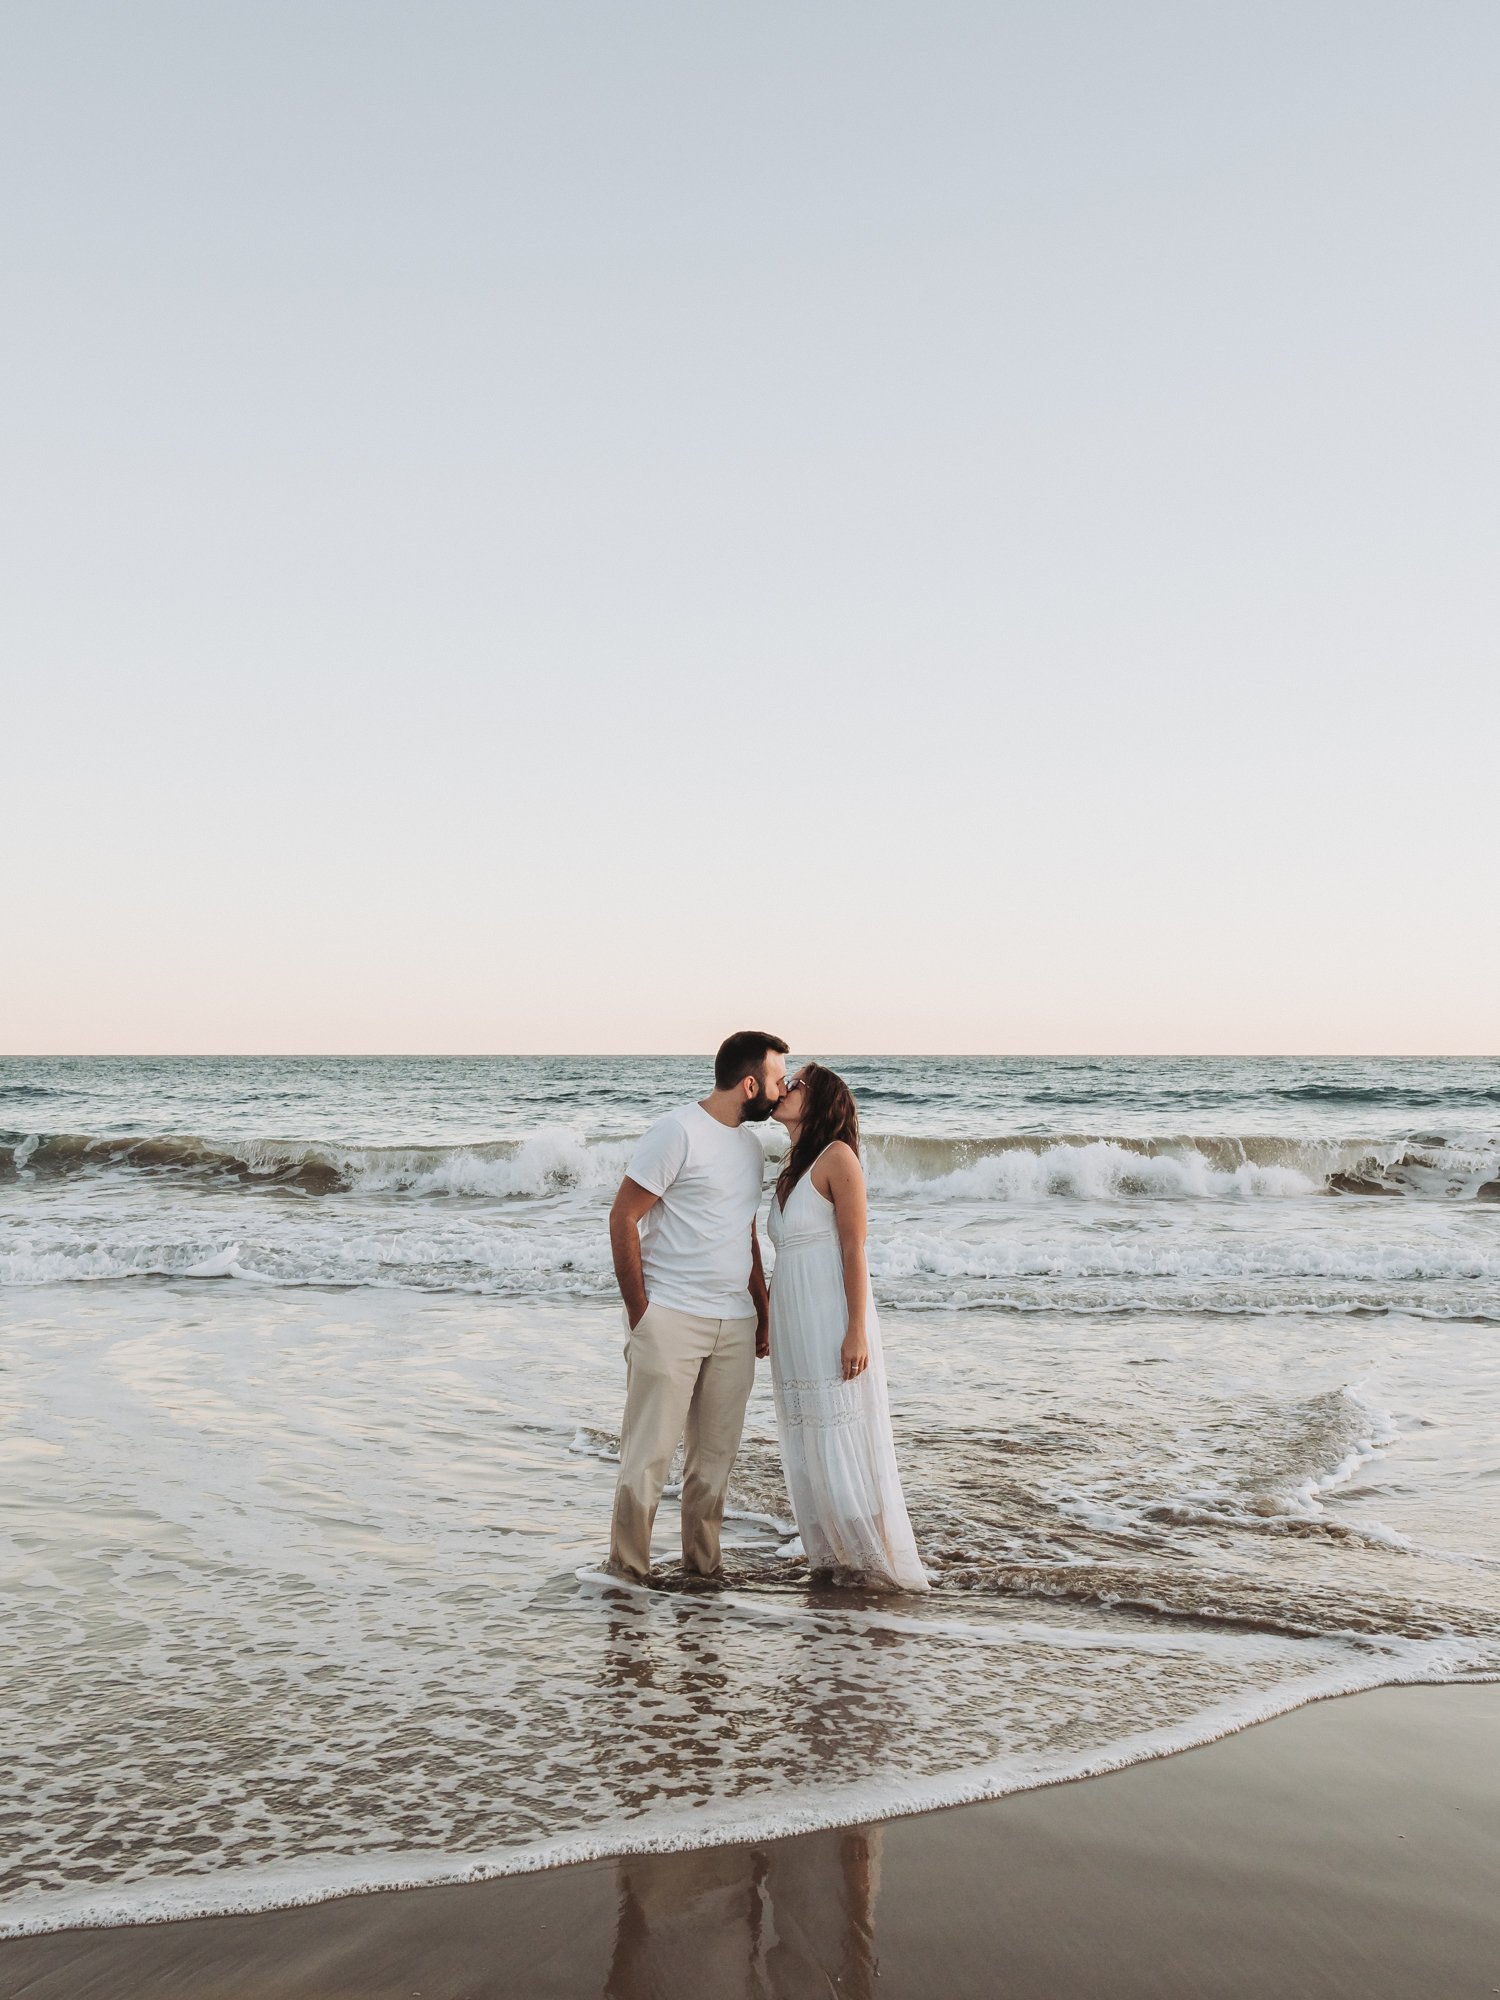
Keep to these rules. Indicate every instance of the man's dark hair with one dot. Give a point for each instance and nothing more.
(744, 1055)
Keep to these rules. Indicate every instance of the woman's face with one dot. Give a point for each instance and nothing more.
(789, 1105)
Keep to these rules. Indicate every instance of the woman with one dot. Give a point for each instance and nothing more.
(826, 1367)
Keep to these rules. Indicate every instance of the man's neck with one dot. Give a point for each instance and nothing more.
(723, 1105)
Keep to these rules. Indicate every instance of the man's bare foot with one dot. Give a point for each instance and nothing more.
(650, 1581)
(697, 1580)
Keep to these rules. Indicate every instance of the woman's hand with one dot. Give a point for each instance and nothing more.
(855, 1353)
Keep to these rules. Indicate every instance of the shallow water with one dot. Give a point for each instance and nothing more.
(293, 1552)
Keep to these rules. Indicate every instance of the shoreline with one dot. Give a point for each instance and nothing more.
(1347, 1846)
(282, 1887)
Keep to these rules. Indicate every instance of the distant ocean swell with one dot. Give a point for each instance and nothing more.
(1015, 1167)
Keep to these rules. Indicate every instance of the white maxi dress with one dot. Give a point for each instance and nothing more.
(836, 1445)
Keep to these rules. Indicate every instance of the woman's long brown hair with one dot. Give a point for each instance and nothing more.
(828, 1113)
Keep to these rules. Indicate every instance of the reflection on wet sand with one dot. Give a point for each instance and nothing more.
(774, 1923)
(692, 1698)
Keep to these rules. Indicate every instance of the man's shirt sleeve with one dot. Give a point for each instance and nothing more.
(660, 1157)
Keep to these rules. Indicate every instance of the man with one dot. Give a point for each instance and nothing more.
(683, 1234)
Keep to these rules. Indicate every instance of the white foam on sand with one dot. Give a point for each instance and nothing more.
(291, 1885)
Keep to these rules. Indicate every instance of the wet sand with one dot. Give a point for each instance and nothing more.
(1349, 1849)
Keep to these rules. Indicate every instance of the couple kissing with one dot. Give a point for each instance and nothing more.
(698, 1311)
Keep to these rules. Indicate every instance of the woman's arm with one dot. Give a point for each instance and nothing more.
(846, 1190)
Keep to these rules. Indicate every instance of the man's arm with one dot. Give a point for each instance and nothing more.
(760, 1295)
(631, 1204)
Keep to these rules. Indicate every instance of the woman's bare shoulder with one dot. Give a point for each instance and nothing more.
(842, 1162)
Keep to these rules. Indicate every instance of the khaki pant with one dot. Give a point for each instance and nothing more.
(685, 1377)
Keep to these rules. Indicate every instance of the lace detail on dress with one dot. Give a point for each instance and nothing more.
(828, 1405)
(821, 1420)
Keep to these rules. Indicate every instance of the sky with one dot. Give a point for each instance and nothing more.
(942, 527)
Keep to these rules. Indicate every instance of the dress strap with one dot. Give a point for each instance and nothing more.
(776, 1200)
(808, 1176)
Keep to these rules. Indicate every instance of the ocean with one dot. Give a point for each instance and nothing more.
(310, 1374)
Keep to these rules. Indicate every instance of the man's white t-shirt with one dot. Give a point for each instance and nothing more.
(695, 1240)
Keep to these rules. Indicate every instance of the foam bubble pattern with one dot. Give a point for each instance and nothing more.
(293, 1599)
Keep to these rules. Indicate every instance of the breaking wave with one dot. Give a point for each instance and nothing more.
(1027, 1167)
(1014, 1167)
(546, 1163)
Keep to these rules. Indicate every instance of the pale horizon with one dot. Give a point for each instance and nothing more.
(551, 530)
(823, 1051)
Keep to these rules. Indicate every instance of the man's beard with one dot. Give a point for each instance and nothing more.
(756, 1110)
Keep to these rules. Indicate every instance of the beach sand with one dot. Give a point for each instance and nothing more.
(1349, 1849)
